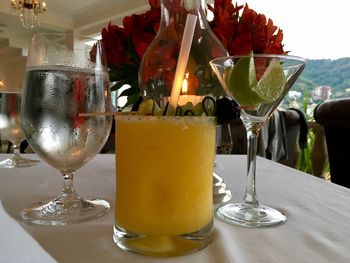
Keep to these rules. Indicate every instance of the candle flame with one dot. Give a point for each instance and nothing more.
(184, 87)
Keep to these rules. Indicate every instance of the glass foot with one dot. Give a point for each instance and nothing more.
(241, 214)
(56, 212)
(15, 162)
(163, 245)
(220, 193)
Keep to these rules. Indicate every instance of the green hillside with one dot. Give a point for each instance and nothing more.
(326, 72)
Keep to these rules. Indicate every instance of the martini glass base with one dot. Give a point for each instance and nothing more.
(55, 212)
(15, 162)
(249, 216)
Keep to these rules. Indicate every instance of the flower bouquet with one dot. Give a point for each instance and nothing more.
(240, 29)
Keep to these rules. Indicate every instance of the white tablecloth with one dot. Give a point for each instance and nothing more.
(317, 230)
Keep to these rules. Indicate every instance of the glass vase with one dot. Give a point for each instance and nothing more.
(158, 65)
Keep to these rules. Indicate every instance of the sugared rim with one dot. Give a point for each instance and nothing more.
(138, 116)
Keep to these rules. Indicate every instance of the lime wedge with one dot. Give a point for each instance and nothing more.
(241, 81)
(246, 90)
(196, 110)
(271, 84)
(150, 107)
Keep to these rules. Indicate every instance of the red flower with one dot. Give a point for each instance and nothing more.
(240, 31)
(141, 29)
(115, 42)
(241, 34)
(225, 20)
(137, 33)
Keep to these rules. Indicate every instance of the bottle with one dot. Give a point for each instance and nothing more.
(158, 65)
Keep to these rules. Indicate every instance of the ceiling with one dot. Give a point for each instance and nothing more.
(85, 17)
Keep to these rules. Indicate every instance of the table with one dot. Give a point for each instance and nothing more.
(317, 230)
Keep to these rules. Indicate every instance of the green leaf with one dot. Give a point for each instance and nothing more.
(118, 85)
(131, 100)
(122, 72)
(131, 51)
(130, 91)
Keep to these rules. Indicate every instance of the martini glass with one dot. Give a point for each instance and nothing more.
(258, 84)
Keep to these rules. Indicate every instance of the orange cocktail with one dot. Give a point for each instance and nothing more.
(164, 171)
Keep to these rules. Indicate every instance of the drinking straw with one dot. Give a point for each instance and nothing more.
(182, 62)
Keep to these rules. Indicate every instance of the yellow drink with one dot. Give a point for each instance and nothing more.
(164, 198)
(164, 169)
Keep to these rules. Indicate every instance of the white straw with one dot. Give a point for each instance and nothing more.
(182, 62)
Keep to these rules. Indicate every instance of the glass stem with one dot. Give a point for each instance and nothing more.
(16, 153)
(68, 194)
(250, 197)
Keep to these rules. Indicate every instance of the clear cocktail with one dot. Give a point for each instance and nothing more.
(164, 196)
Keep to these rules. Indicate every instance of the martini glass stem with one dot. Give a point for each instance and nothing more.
(250, 197)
